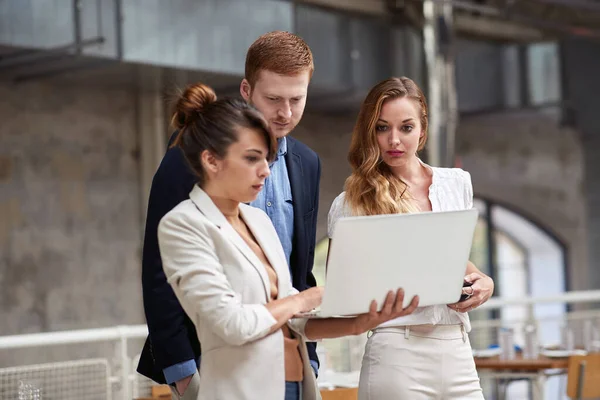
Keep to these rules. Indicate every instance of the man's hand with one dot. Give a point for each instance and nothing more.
(479, 292)
(182, 384)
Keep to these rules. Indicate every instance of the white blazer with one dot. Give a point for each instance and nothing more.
(223, 287)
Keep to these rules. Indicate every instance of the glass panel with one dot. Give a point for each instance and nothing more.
(545, 268)
(543, 73)
(478, 73)
(511, 281)
(479, 257)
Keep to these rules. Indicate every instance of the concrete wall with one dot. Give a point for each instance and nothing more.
(70, 223)
(71, 209)
(527, 162)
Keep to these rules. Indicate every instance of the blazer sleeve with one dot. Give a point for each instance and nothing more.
(166, 318)
(199, 281)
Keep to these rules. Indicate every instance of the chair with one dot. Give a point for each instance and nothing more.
(583, 377)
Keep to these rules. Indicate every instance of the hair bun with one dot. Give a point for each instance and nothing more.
(191, 103)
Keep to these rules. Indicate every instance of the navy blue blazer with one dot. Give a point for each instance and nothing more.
(172, 336)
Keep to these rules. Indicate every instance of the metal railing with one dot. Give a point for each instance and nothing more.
(115, 371)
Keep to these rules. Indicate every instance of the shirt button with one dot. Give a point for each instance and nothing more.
(268, 204)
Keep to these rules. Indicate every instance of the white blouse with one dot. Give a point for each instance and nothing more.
(450, 190)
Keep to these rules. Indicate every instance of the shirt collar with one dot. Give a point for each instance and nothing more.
(281, 147)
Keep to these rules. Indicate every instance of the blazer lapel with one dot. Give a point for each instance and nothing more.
(206, 206)
(296, 175)
(269, 247)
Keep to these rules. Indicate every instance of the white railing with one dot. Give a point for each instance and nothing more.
(124, 383)
(549, 316)
(547, 313)
(67, 380)
(120, 375)
(585, 296)
(117, 333)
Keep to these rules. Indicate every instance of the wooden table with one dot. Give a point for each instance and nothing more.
(159, 392)
(340, 394)
(522, 364)
(537, 370)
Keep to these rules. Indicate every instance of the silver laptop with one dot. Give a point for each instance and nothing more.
(424, 253)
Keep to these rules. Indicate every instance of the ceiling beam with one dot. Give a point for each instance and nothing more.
(373, 7)
(584, 5)
(495, 29)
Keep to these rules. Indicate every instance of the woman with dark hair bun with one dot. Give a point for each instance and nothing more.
(226, 264)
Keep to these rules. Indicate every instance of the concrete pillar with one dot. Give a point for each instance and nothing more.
(152, 130)
(438, 36)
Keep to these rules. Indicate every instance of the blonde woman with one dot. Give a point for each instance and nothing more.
(426, 355)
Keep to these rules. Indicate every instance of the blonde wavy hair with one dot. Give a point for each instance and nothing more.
(372, 188)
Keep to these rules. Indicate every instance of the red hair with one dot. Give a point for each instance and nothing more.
(280, 52)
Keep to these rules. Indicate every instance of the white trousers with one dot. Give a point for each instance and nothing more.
(422, 362)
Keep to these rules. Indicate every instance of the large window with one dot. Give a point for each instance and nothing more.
(496, 76)
(522, 257)
(524, 260)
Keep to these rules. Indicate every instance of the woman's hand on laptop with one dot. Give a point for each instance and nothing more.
(392, 309)
(310, 298)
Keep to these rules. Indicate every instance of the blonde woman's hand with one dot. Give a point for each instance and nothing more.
(479, 292)
(392, 309)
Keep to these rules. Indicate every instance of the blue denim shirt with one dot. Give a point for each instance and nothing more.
(276, 200)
